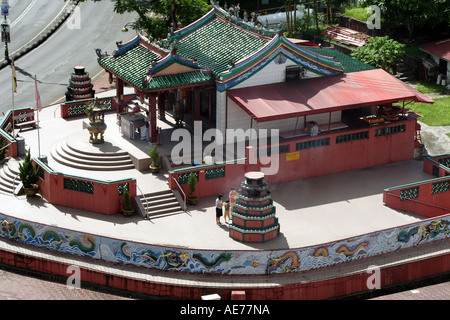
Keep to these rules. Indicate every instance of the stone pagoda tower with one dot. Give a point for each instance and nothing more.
(254, 214)
(80, 86)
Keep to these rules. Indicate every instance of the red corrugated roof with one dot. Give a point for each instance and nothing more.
(323, 94)
(439, 48)
(346, 35)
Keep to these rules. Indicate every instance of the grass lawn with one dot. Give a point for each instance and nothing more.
(429, 87)
(436, 114)
(357, 13)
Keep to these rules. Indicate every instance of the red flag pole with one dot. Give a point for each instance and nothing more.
(38, 109)
(14, 89)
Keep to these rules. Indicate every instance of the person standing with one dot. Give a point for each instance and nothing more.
(314, 129)
(219, 204)
(226, 215)
(147, 126)
(233, 195)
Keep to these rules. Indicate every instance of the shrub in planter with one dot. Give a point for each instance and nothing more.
(29, 175)
(127, 209)
(154, 154)
(192, 200)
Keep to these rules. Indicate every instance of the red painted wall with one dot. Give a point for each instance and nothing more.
(234, 175)
(318, 161)
(427, 204)
(314, 290)
(65, 106)
(104, 200)
(12, 149)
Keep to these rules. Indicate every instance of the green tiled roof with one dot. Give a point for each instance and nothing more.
(348, 63)
(179, 79)
(215, 43)
(131, 65)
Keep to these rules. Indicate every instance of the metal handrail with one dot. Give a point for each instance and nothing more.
(6, 146)
(146, 201)
(184, 195)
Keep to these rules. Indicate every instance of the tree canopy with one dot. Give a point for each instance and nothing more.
(156, 17)
(413, 14)
(380, 52)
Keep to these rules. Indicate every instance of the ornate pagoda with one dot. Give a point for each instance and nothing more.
(80, 86)
(253, 214)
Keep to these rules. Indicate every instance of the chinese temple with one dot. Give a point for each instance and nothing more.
(235, 74)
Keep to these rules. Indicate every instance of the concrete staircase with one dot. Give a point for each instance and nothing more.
(9, 172)
(75, 157)
(159, 204)
(405, 72)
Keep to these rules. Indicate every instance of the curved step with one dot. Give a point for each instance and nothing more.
(9, 172)
(95, 161)
(60, 156)
(80, 149)
(69, 150)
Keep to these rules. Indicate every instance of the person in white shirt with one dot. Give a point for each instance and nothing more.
(313, 129)
(219, 204)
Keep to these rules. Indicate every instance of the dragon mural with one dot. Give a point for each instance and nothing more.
(288, 262)
(223, 262)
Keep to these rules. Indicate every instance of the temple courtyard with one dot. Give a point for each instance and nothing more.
(310, 211)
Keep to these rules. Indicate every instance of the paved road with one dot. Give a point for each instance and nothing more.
(28, 18)
(93, 25)
(16, 286)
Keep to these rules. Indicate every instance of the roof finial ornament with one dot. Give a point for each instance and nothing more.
(230, 63)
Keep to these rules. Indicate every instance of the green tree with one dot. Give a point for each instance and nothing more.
(380, 52)
(156, 17)
(412, 14)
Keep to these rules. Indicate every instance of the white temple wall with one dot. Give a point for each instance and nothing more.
(271, 73)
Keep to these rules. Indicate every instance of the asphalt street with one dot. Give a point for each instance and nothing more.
(28, 18)
(92, 25)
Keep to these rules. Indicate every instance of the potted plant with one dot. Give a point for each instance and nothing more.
(29, 175)
(191, 199)
(127, 209)
(154, 154)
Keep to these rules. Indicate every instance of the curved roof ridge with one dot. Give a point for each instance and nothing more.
(169, 60)
(275, 44)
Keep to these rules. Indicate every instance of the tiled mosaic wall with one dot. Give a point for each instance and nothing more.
(249, 262)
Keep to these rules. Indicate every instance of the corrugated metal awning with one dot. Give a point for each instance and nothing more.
(323, 94)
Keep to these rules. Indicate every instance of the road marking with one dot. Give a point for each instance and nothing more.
(23, 13)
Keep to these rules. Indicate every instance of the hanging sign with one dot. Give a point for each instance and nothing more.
(5, 32)
(5, 8)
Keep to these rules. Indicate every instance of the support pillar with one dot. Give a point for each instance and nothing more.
(119, 93)
(188, 107)
(152, 117)
(197, 103)
(162, 105)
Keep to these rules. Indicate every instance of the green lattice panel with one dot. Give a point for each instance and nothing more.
(352, 137)
(78, 185)
(312, 144)
(410, 193)
(445, 162)
(184, 177)
(440, 187)
(79, 109)
(121, 188)
(215, 173)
